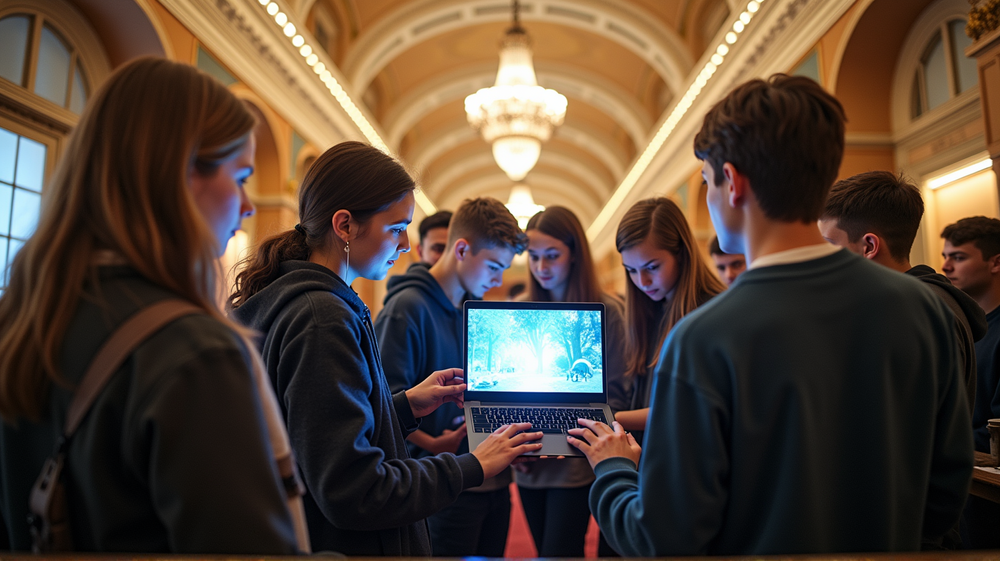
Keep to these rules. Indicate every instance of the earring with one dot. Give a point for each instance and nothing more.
(347, 250)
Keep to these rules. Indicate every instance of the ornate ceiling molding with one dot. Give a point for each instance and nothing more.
(239, 34)
(578, 85)
(631, 27)
(546, 189)
(610, 156)
(587, 182)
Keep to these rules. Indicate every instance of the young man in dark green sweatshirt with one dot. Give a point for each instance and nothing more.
(817, 405)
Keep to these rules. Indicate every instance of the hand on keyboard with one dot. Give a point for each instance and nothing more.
(504, 445)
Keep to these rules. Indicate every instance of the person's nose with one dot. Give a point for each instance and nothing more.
(404, 246)
(947, 267)
(497, 279)
(645, 279)
(247, 209)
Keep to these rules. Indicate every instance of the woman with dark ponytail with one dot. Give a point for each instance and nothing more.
(365, 495)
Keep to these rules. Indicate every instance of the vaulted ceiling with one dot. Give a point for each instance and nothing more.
(619, 62)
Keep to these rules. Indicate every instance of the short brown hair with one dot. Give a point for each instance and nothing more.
(786, 134)
(983, 232)
(880, 202)
(486, 223)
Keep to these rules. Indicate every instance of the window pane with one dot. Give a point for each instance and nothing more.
(8, 150)
(3, 261)
(30, 164)
(916, 108)
(965, 66)
(53, 68)
(77, 97)
(24, 218)
(15, 246)
(6, 200)
(936, 74)
(13, 45)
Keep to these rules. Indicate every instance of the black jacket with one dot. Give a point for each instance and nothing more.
(970, 322)
(366, 496)
(173, 455)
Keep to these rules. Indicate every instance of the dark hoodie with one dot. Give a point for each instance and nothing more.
(970, 322)
(366, 496)
(419, 331)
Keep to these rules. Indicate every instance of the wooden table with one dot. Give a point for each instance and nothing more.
(985, 480)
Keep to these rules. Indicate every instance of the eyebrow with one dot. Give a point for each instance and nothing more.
(498, 264)
(406, 221)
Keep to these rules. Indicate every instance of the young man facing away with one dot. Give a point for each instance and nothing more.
(876, 215)
(972, 263)
(814, 407)
(421, 328)
(730, 266)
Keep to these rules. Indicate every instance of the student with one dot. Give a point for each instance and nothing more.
(554, 491)
(788, 410)
(433, 237)
(174, 454)
(972, 263)
(730, 266)
(669, 279)
(365, 495)
(876, 215)
(420, 330)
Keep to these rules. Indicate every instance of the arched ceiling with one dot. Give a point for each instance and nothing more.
(619, 63)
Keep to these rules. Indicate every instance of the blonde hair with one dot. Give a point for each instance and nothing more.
(122, 185)
(661, 220)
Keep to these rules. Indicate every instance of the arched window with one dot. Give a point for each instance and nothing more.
(943, 71)
(40, 59)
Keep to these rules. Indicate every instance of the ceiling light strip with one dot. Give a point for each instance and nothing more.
(311, 56)
(678, 112)
(954, 176)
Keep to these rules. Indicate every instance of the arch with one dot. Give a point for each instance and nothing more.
(128, 28)
(574, 83)
(583, 175)
(910, 53)
(546, 189)
(596, 144)
(627, 25)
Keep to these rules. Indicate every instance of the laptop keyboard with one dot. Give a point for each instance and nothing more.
(549, 420)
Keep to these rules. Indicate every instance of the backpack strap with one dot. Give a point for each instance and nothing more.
(116, 349)
(48, 517)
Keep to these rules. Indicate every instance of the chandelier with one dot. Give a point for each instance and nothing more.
(522, 205)
(516, 115)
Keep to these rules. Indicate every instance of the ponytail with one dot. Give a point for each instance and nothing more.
(263, 267)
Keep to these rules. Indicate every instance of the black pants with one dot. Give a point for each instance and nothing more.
(558, 519)
(981, 524)
(474, 525)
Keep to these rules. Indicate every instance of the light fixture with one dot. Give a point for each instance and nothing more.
(522, 205)
(516, 115)
(954, 176)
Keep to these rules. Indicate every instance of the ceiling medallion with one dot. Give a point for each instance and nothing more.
(516, 115)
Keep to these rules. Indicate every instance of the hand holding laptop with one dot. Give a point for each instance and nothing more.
(438, 388)
(599, 442)
(504, 445)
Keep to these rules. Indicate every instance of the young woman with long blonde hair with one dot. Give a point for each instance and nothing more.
(174, 454)
(668, 279)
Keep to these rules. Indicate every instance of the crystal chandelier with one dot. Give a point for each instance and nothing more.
(516, 115)
(522, 205)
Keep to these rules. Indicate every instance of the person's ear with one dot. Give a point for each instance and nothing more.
(736, 184)
(871, 245)
(462, 249)
(995, 264)
(343, 225)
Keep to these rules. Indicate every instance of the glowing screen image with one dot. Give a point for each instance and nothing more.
(534, 351)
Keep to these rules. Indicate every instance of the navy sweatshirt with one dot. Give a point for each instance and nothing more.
(813, 407)
(365, 495)
(970, 322)
(419, 332)
(987, 381)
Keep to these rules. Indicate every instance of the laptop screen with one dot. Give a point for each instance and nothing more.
(534, 348)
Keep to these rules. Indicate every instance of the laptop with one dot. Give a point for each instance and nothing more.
(537, 362)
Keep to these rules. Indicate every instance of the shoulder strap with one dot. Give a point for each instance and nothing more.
(116, 349)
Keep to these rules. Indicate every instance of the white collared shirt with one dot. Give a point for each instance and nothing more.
(796, 255)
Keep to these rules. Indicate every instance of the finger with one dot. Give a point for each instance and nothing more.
(618, 428)
(596, 426)
(631, 440)
(578, 444)
(528, 447)
(526, 436)
(585, 434)
(462, 429)
(516, 427)
(444, 391)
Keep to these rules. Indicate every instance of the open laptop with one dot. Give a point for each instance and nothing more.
(537, 362)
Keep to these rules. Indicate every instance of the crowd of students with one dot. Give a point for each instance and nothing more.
(823, 403)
